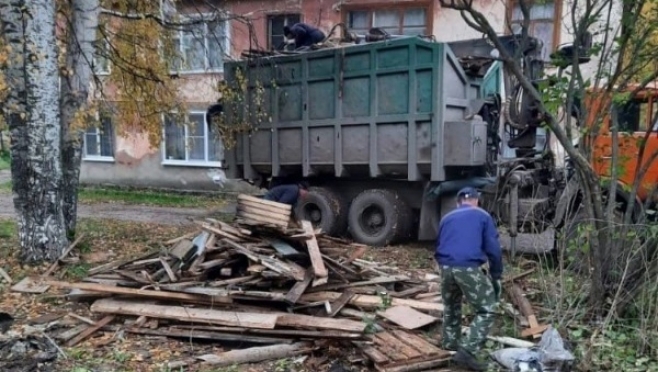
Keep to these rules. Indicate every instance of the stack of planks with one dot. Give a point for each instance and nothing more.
(254, 211)
(269, 285)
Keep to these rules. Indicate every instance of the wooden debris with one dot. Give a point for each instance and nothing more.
(261, 280)
(320, 271)
(29, 285)
(209, 316)
(407, 317)
(66, 252)
(256, 354)
(5, 276)
(90, 330)
(398, 351)
(259, 211)
(525, 307)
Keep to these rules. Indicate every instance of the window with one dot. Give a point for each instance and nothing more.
(636, 115)
(99, 140)
(275, 24)
(101, 61)
(202, 47)
(397, 21)
(544, 23)
(190, 143)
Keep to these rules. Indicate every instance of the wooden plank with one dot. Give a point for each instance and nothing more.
(416, 342)
(261, 219)
(295, 333)
(219, 232)
(182, 250)
(216, 336)
(5, 276)
(180, 313)
(388, 339)
(298, 289)
(259, 212)
(29, 285)
(66, 252)
(407, 317)
(264, 202)
(90, 330)
(340, 303)
(371, 302)
(176, 240)
(391, 351)
(373, 354)
(264, 207)
(70, 333)
(168, 269)
(144, 293)
(319, 269)
(380, 280)
(118, 263)
(307, 321)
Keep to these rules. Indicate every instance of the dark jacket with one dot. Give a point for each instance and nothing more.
(286, 194)
(306, 35)
(467, 238)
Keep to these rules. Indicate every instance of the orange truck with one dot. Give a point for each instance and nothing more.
(636, 134)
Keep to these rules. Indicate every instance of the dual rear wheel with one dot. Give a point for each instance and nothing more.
(376, 217)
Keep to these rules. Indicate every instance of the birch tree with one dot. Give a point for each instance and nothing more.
(33, 115)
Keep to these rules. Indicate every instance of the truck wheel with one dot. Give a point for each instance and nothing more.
(324, 209)
(379, 218)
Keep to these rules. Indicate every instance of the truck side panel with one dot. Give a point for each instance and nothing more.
(364, 111)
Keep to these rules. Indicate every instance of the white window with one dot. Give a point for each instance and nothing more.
(191, 143)
(99, 141)
(275, 24)
(202, 47)
(400, 21)
(543, 23)
(101, 61)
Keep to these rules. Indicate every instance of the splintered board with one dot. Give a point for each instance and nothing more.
(401, 351)
(263, 212)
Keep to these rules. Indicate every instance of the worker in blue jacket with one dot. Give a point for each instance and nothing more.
(304, 35)
(287, 193)
(468, 238)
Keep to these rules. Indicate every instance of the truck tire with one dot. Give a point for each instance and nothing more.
(378, 218)
(325, 209)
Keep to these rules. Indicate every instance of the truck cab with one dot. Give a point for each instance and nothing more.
(636, 124)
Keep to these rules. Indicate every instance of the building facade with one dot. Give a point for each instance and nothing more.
(188, 153)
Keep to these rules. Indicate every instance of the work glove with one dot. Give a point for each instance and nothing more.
(497, 287)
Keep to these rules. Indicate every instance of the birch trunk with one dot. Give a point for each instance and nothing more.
(33, 114)
(74, 97)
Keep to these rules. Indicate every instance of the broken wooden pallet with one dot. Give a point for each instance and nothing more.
(254, 210)
(401, 351)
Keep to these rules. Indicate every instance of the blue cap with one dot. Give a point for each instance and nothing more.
(468, 193)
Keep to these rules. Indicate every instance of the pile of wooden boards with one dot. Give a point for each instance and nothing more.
(262, 282)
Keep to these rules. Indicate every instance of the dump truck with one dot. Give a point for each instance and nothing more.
(386, 133)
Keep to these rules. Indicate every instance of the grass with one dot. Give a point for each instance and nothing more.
(95, 195)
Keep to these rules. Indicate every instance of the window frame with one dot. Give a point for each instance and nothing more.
(557, 21)
(99, 136)
(268, 24)
(428, 6)
(206, 69)
(188, 163)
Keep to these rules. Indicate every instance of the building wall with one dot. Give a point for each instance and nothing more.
(136, 163)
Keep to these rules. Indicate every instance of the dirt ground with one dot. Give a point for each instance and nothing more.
(123, 212)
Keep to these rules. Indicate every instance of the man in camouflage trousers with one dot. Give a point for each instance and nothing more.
(468, 238)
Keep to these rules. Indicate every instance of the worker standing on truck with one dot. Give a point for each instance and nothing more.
(468, 238)
(287, 193)
(304, 35)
